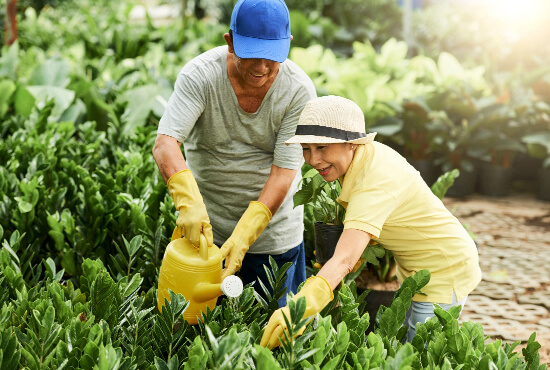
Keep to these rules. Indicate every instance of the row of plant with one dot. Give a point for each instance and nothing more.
(108, 322)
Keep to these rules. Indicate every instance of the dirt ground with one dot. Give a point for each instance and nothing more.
(512, 236)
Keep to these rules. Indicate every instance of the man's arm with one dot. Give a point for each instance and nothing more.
(276, 187)
(193, 218)
(256, 217)
(168, 155)
(350, 246)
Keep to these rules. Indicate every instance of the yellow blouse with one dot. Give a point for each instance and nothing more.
(386, 197)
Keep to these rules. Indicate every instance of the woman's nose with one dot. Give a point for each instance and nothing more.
(314, 158)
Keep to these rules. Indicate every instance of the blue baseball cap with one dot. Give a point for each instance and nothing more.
(261, 29)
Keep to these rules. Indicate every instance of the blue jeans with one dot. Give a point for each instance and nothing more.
(253, 268)
(421, 311)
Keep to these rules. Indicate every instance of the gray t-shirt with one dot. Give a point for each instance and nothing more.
(230, 151)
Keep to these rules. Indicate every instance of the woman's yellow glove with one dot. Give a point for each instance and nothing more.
(253, 221)
(318, 294)
(193, 218)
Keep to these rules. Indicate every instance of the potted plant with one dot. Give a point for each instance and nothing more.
(538, 146)
(532, 117)
(496, 170)
(495, 140)
(499, 137)
(459, 115)
(324, 216)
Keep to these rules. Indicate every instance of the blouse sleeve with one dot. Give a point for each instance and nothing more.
(368, 210)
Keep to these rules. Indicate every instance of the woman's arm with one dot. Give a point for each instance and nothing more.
(350, 246)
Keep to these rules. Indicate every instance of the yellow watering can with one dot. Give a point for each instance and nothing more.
(196, 273)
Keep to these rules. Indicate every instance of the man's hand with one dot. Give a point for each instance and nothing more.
(193, 218)
(318, 294)
(253, 221)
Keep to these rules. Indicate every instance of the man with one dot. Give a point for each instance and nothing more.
(234, 107)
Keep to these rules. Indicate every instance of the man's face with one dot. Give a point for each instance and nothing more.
(256, 72)
(252, 72)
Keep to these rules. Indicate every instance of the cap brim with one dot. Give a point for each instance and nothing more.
(249, 47)
(314, 139)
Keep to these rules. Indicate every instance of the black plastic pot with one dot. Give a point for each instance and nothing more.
(428, 171)
(375, 299)
(325, 238)
(526, 167)
(464, 185)
(544, 184)
(495, 181)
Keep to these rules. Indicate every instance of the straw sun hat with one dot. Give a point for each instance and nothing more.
(331, 119)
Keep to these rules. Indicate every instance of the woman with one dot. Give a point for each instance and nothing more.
(385, 199)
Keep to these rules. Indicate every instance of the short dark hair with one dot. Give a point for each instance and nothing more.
(231, 33)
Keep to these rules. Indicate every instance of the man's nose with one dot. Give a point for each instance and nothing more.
(260, 63)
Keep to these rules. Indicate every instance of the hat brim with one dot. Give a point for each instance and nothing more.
(314, 139)
(250, 47)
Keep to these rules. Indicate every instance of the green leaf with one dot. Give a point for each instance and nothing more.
(264, 358)
(388, 126)
(173, 363)
(7, 88)
(140, 102)
(24, 101)
(342, 338)
(105, 298)
(444, 182)
(23, 205)
(132, 286)
(62, 97)
(52, 72)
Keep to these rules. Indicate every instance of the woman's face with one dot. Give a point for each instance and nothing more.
(331, 160)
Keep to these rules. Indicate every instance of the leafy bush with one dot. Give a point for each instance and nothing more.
(115, 325)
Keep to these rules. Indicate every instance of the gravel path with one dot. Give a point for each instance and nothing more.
(513, 238)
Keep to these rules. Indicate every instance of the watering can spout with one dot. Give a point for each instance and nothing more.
(231, 286)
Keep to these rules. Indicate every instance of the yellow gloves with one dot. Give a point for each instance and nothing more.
(193, 218)
(318, 294)
(253, 221)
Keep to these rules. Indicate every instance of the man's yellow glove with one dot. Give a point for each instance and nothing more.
(193, 218)
(253, 221)
(318, 294)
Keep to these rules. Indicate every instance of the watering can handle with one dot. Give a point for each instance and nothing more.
(203, 250)
(176, 234)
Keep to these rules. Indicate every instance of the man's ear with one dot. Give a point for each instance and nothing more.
(229, 42)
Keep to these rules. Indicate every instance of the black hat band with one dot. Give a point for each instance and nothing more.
(332, 132)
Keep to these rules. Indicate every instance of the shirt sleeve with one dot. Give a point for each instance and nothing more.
(368, 210)
(185, 105)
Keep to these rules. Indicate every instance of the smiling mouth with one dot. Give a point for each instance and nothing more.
(256, 76)
(324, 171)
